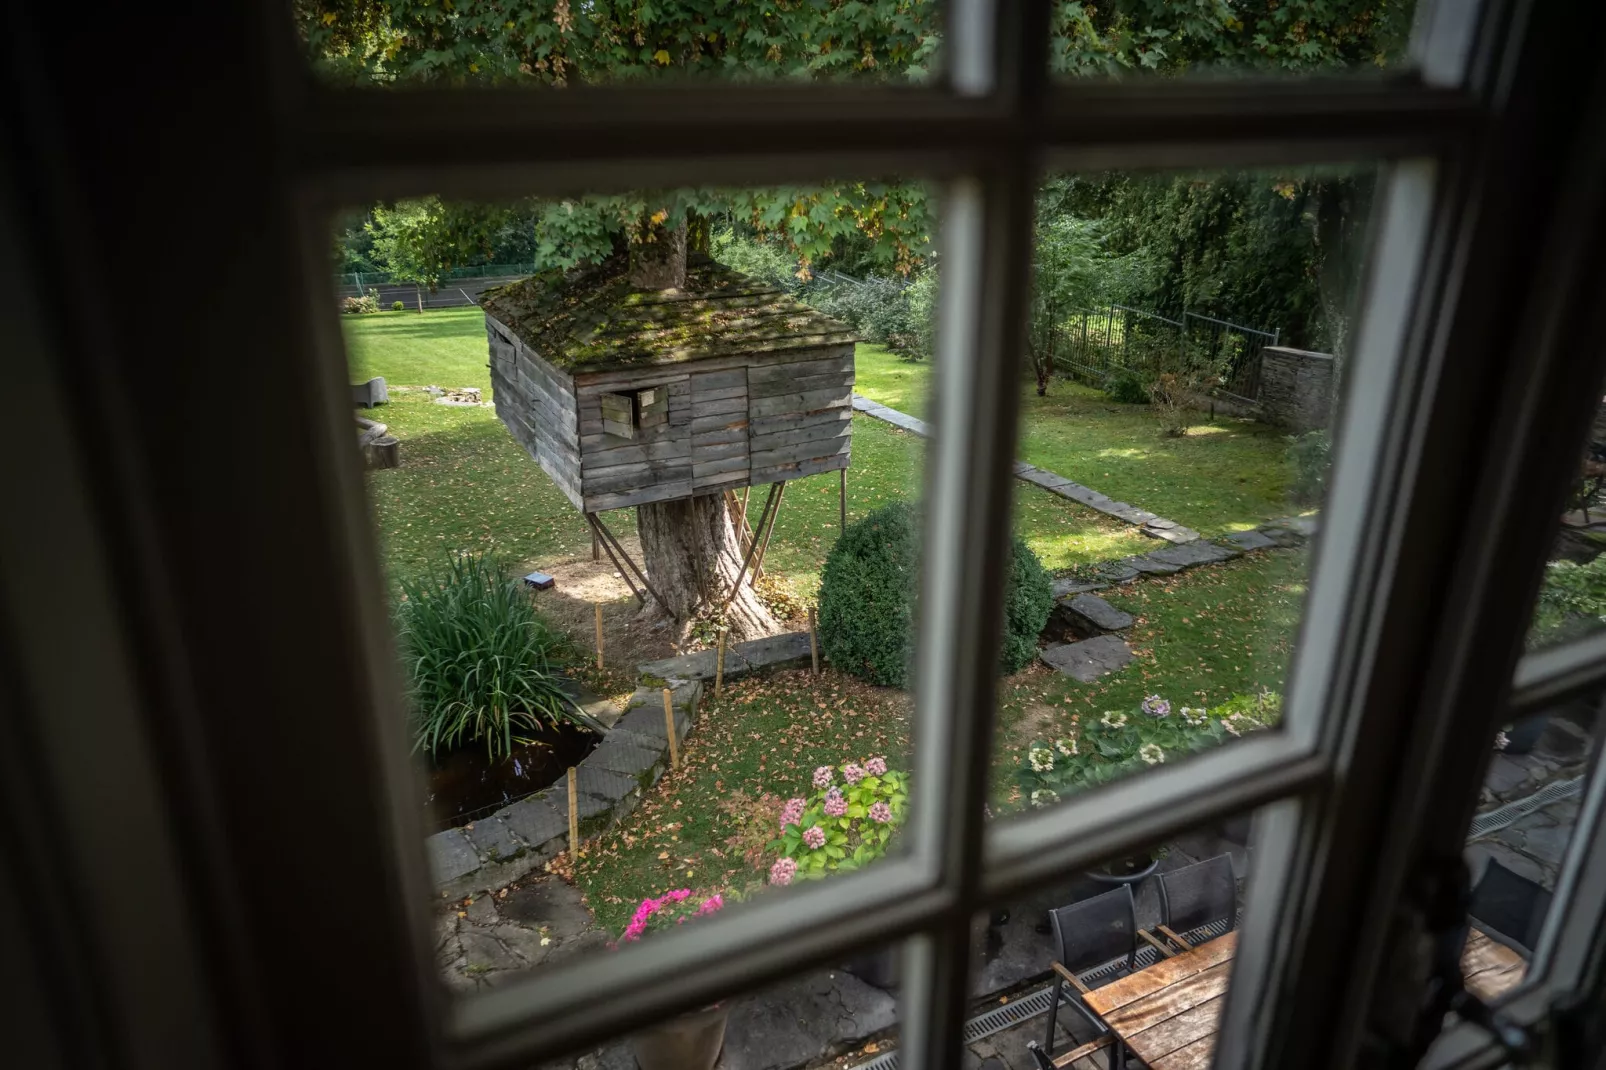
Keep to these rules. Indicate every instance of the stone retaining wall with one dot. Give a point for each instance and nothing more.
(1296, 388)
(611, 781)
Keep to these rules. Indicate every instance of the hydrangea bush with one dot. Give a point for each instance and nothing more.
(847, 822)
(1104, 747)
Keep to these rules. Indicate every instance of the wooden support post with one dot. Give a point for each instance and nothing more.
(599, 636)
(814, 645)
(758, 563)
(596, 546)
(669, 730)
(719, 665)
(842, 497)
(574, 811)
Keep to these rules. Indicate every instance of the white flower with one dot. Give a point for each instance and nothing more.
(1112, 719)
(1194, 716)
(1042, 759)
(1066, 747)
(546, 940)
(1044, 797)
(1501, 741)
(1151, 753)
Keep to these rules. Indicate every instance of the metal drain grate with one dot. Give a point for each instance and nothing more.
(1501, 816)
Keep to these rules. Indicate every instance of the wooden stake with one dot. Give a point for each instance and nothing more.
(842, 497)
(814, 647)
(574, 811)
(669, 730)
(596, 546)
(719, 666)
(599, 636)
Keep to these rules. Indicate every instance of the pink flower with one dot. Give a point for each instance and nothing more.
(852, 773)
(822, 776)
(711, 904)
(880, 813)
(783, 871)
(814, 836)
(792, 812)
(835, 804)
(876, 767)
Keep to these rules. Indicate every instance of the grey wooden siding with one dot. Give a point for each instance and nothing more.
(536, 403)
(719, 429)
(656, 465)
(800, 411)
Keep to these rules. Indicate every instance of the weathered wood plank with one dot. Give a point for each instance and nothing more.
(801, 451)
(600, 451)
(718, 406)
(722, 437)
(793, 421)
(626, 477)
(699, 395)
(662, 492)
(729, 421)
(719, 479)
(811, 402)
(1195, 1056)
(591, 384)
(717, 450)
(1177, 1031)
(803, 384)
(718, 380)
(713, 467)
(822, 433)
(1150, 1011)
(772, 473)
(824, 363)
(1162, 974)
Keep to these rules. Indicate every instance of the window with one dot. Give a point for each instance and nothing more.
(261, 772)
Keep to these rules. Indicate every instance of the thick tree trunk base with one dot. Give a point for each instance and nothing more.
(692, 557)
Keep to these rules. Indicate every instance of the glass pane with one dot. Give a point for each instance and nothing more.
(1527, 812)
(1151, 936)
(1572, 596)
(556, 44)
(1187, 342)
(608, 496)
(1128, 38)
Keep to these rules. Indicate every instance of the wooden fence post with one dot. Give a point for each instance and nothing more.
(574, 812)
(814, 646)
(669, 730)
(599, 636)
(719, 665)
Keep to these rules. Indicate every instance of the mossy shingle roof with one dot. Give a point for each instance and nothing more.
(592, 319)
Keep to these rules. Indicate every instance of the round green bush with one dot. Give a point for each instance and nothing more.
(867, 599)
(1127, 387)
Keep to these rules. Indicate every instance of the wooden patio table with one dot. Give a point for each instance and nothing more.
(1168, 1013)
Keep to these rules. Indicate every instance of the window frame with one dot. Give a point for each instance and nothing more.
(989, 132)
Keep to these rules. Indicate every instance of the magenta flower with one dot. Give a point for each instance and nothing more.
(783, 871)
(711, 904)
(1155, 706)
(880, 813)
(814, 836)
(852, 773)
(792, 812)
(822, 776)
(876, 767)
(835, 804)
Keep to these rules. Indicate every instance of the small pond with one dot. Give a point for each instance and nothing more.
(465, 785)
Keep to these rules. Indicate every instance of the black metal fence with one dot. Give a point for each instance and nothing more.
(1096, 343)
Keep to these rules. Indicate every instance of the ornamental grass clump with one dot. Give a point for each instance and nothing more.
(868, 597)
(841, 826)
(482, 666)
(1116, 743)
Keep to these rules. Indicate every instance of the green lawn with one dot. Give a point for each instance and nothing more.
(1201, 638)
(465, 484)
(1223, 475)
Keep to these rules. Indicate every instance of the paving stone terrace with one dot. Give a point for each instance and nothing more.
(1150, 523)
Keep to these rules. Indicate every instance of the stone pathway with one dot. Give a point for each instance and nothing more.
(1150, 523)
(1533, 845)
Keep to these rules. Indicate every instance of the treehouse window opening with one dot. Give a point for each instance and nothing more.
(631, 413)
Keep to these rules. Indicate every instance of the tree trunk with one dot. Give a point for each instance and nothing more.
(692, 557)
(658, 255)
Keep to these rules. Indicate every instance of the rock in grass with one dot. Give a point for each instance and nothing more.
(1090, 659)
(1092, 614)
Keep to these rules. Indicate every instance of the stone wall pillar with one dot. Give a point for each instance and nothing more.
(1296, 388)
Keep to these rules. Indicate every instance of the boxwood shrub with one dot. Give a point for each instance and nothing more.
(868, 590)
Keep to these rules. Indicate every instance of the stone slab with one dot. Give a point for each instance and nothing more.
(1116, 572)
(1068, 587)
(1250, 540)
(451, 856)
(776, 651)
(1175, 535)
(631, 755)
(1090, 659)
(535, 821)
(647, 719)
(595, 780)
(1192, 553)
(1145, 563)
(1096, 614)
(492, 839)
(801, 1021)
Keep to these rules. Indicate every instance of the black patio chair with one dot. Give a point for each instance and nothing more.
(1199, 902)
(1095, 942)
(1509, 907)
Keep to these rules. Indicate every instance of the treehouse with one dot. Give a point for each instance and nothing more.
(629, 394)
